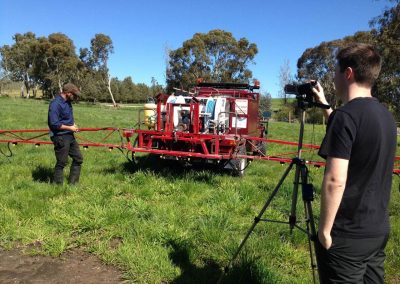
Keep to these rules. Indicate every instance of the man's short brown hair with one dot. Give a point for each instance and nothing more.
(71, 88)
(363, 59)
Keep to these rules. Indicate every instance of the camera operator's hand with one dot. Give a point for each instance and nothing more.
(319, 94)
(325, 240)
(320, 98)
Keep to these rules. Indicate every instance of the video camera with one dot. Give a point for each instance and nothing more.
(304, 94)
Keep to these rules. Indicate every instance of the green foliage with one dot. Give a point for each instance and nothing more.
(162, 222)
(215, 56)
(101, 47)
(58, 63)
(319, 62)
(285, 77)
(387, 33)
(314, 116)
(265, 103)
(49, 62)
(18, 60)
(283, 114)
(96, 63)
(287, 110)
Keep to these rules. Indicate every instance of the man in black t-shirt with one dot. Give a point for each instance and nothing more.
(359, 148)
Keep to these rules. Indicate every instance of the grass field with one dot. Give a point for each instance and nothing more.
(160, 223)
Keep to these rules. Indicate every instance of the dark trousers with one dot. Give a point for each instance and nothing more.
(64, 146)
(352, 260)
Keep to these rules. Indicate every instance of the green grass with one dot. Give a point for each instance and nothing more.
(160, 223)
(278, 103)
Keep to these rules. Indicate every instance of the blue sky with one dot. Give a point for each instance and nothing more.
(142, 30)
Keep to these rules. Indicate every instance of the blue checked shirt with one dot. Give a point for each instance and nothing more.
(60, 112)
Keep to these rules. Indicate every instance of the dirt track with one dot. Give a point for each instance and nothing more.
(72, 267)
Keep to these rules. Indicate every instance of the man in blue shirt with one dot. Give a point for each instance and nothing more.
(62, 127)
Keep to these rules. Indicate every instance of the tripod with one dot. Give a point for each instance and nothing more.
(300, 178)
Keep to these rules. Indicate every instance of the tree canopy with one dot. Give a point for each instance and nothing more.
(49, 62)
(18, 60)
(319, 62)
(57, 61)
(387, 34)
(214, 56)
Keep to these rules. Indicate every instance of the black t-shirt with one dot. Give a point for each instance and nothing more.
(364, 132)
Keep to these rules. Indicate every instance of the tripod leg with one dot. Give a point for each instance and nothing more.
(292, 217)
(308, 196)
(256, 220)
(311, 238)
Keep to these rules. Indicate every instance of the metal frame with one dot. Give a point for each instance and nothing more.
(15, 136)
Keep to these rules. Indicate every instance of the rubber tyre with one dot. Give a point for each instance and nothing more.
(239, 165)
(261, 149)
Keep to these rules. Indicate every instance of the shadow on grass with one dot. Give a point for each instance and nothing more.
(211, 271)
(172, 170)
(43, 174)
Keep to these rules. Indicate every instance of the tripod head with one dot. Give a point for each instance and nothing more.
(304, 95)
(305, 99)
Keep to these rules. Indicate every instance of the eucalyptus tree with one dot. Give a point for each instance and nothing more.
(214, 56)
(128, 89)
(155, 88)
(318, 63)
(18, 59)
(58, 62)
(101, 47)
(387, 33)
(285, 77)
(143, 92)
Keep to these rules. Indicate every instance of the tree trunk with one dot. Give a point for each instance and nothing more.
(59, 85)
(109, 90)
(26, 83)
(34, 91)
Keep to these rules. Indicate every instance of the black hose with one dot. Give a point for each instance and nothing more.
(8, 156)
(398, 175)
(126, 155)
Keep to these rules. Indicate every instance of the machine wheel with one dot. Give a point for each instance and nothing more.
(239, 165)
(134, 144)
(261, 149)
(130, 155)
